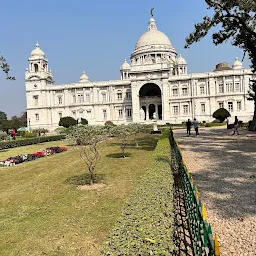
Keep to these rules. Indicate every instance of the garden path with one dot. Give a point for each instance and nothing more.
(224, 170)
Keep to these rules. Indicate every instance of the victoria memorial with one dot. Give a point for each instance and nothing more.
(154, 83)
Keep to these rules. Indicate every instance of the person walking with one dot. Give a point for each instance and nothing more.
(188, 125)
(236, 126)
(195, 123)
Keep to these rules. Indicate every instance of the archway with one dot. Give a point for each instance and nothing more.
(150, 101)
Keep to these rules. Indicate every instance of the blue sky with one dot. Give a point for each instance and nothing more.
(95, 37)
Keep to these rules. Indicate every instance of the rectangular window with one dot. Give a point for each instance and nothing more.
(37, 117)
(74, 114)
(128, 95)
(221, 104)
(129, 112)
(119, 95)
(60, 100)
(237, 87)
(80, 98)
(74, 98)
(81, 114)
(89, 114)
(120, 113)
(175, 110)
(202, 90)
(35, 100)
(175, 92)
(203, 108)
(185, 109)
(184, 91)
(104, 114)
(221, 88)
(239, 105)
(230, 106)
(87, 96)
(104, 97)
(60, 115)
(231, 87)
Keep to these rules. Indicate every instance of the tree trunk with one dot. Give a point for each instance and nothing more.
(91, 178)
(253, 124)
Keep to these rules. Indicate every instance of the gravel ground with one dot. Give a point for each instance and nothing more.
(224, 170)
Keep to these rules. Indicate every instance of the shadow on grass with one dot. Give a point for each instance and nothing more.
(119, 155)
(164, 159)
(144, 143)
(84, 179)
(4, 150)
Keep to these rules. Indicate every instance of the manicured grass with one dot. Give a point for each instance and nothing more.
(43, 213)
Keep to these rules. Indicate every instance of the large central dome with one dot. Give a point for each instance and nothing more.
(153, 37)
(153, 40)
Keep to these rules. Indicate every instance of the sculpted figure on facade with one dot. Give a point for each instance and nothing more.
(142, 114)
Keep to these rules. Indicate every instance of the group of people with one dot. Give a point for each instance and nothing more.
(189, 124)
(195, 124)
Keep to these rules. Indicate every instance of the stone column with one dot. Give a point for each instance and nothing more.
(147, 112)
(165, 101)
(135, 104)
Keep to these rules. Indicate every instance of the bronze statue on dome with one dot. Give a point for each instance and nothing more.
(151, 12)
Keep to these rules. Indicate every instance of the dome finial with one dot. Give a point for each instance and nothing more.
(152, 24)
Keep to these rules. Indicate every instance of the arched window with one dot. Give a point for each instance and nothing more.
(36, 67)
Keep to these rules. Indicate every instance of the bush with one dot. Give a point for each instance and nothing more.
(3, 135)
(146, 224)
(214, 124)
(61, 130)
(84, 121)
(40, 131)
(67, 121)
(109, 123)
(30, 141)
(221, 114)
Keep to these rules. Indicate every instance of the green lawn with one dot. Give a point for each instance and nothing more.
(43, 213)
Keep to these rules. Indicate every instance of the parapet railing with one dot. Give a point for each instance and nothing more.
(202, 239)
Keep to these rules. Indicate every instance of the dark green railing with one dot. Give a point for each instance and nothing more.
(202, 239)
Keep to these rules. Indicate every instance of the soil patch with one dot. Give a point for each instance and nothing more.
(93, 187)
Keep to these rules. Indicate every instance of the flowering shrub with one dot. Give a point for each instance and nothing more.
(29, 157)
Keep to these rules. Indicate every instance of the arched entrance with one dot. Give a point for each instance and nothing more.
(150, 101)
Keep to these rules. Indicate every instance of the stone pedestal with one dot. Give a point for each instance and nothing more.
(155, 129)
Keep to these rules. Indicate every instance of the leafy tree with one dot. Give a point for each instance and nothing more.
(23, 119)
(137, 129)
(86, 138)
(6, 68)
(3, 117)
(123, 133)
(221, 114)
(237, 21)
(67, 121)
(252, 96)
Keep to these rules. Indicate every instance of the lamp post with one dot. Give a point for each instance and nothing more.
(29, 125)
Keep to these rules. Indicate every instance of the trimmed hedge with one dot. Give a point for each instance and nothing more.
(147, 222)
(30, 141)
(214, 124)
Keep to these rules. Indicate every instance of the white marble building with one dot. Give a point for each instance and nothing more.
(156, 81)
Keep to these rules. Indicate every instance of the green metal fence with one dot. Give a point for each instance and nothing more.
(202, 239)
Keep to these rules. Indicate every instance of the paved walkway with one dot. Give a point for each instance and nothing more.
(224, 170)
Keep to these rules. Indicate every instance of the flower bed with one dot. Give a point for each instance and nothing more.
(11, 161)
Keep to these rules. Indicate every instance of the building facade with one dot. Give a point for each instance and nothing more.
(155, 81)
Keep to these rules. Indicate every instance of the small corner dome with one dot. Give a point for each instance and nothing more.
(37, 51)
(125, 66)
(84, 78)
(237, 64)
(181, 60)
